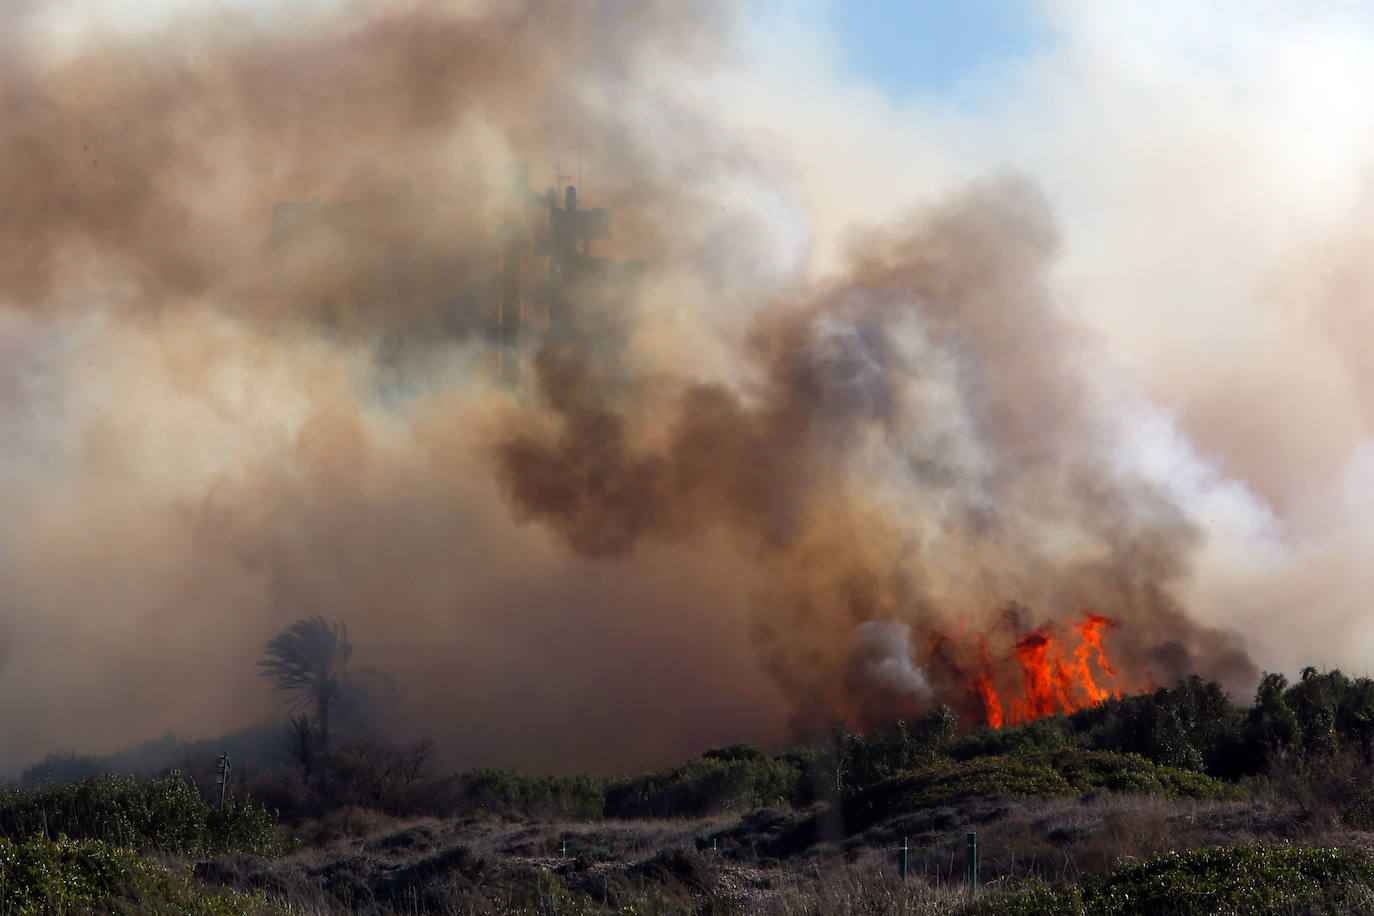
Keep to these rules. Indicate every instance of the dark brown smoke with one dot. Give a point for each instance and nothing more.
(739, 538)
(191, 462)
(145, 168)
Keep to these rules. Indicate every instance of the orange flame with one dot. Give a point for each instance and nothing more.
(982, 685)
(1090, 630)
(1051, 682)
(1037, 677)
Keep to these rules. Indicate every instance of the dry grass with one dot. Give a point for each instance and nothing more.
(868, 885)
(357, 860)
(1058, 839)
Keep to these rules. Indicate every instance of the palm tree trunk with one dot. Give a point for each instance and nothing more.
(323, 717)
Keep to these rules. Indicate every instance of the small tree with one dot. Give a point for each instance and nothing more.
(1272, 725)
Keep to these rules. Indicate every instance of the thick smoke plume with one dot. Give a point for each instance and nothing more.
(190, 462)
(916, 451)
(825, 486)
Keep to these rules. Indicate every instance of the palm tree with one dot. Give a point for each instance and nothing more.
(306, 662)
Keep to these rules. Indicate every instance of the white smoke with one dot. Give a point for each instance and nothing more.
(881, 652)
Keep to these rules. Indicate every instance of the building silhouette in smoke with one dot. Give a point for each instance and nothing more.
(497, 262)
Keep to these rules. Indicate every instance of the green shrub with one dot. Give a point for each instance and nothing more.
(516, 794)
(1071, 771)
(848, 761)
(1087, 771)
(740, 751)
(89, 876)
(1248, 879)
(163, 815)
(1048, 734)
(706, 786)
(942, 784)
(1192, 725)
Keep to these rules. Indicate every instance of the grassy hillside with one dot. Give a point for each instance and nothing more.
(1172, 802)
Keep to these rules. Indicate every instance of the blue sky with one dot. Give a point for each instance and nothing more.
(930, 47)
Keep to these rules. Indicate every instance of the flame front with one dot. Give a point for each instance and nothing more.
(1090, 631)
(982, 685)
(1051, 681)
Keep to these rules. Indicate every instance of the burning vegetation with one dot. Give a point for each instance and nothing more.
(1048, 679)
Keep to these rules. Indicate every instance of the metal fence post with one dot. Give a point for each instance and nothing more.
(223, 767)
(902, 852)
(973, 862)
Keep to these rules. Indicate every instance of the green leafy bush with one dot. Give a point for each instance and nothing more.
(1071, 771)
(89, 876)
(509, 793)
(739, 751)
(1017, 777)
(1048, 734)
(1192, 725)
(1245, 879)
(849, 761)
(1088, 771)
(162, 815)
(706, 786)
